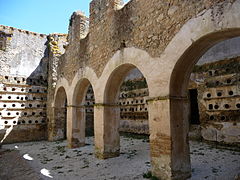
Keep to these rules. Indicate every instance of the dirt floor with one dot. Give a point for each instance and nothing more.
(52, 160)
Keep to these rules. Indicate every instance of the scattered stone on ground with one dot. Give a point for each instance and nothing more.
(56, 161)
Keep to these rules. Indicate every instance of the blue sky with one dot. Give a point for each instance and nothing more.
(42, 16)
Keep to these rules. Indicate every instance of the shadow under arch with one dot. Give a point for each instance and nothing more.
(79, 109)
(179, 103)
(60, 114)
(109, 145)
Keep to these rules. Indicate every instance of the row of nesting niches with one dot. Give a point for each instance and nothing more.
(222, 95)
(22, 100)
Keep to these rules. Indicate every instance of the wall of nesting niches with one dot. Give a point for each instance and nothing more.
(219, 100)
(89, 110)
(23, 105)
(133, 106)
(221, 94)
(132, 103)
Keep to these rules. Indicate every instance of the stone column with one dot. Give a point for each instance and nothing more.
(180, 114)
(75, 126)
(55, 126)
(169, 161)
(50, 114)
(106, 131)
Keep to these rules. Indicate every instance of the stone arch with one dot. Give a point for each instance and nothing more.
(106, 109)
(189, 44)
(60, 114)
(179, 103)
(134, 57)
(61, 83)
(184, 66)
(76, 123)
(110, 111)
(116, 78)
(88, 74)
(60, 93)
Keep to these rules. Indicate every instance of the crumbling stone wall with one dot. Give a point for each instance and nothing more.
(219, 102)
(113, 26)
(76, 50)
(148, 25)
(56, 44)
(164, 40)
(23, 85)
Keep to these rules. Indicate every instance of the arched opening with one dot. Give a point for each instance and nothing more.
(133, 104)
(89, 110)
(211, 99)
(125, 110)
(83, 113)
(60, 115)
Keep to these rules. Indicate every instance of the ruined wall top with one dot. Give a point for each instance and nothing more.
(22, 53)
(98, 8)
(10, 30)
(78, 26)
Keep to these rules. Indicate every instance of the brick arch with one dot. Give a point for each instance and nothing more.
(60, 97)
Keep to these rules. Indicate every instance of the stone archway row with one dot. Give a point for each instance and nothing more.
(167, 77)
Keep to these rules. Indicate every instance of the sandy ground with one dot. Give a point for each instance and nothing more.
(58, 162)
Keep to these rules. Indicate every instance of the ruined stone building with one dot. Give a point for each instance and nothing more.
(149, 67)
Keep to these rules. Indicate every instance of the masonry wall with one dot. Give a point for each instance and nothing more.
(218, 99)
(133, 106)
(56, 44)
(219, 65)
(23, 85)
(148, 25)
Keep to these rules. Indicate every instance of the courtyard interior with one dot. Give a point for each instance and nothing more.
(53, 160)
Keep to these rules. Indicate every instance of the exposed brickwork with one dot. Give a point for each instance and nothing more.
(160, 145)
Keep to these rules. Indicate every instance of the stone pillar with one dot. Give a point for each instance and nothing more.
(56, 125)
(169, 161)
(50, 114)
(180, 114)
(106, 131)
(75, 126)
